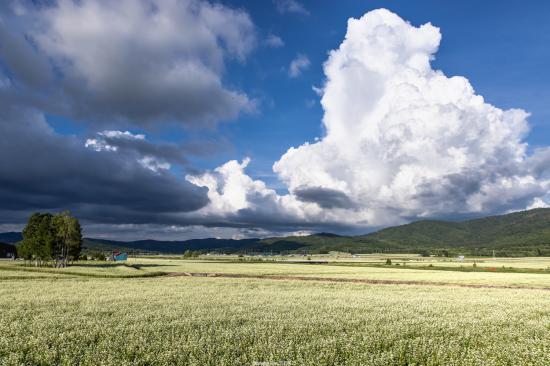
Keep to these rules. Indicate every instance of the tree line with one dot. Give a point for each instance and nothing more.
(51, 239)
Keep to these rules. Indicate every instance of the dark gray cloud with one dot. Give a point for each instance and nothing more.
(40, 169)
(324, 197)
(141, 73)
(19, 55)
(452, 195)
(451, 192)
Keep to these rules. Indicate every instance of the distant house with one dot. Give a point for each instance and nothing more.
(460, 257)
(118, 256)
(7, 251)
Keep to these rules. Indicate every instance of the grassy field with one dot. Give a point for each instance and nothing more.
(105, 314)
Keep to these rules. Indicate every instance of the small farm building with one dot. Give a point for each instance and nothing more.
(119, 256)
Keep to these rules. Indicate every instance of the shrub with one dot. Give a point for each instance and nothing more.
(98, 256)
(388, 262)
(424, 253)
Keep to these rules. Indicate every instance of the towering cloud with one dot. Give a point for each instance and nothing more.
(405, 141)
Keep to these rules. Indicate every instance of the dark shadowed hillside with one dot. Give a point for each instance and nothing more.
(169, 247)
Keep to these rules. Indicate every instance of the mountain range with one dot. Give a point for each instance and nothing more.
(524, 233)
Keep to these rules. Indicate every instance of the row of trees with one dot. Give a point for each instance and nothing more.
(51, 239)
(191, 254)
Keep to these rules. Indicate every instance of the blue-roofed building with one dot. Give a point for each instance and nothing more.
(119, 256)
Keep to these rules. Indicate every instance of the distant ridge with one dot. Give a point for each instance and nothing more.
(524, 233)
(11, 237)
(327, 235)
(170, 247)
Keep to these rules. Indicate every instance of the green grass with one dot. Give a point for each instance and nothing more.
(60, 316)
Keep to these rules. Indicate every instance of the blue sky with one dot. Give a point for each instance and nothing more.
(500, 47)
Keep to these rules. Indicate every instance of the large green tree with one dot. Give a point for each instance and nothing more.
(39, 238)
(51, 238)
(68, 238)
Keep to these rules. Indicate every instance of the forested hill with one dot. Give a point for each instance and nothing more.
(519, 233)
(522, 231)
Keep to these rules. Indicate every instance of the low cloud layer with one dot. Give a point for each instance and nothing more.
(47, 171)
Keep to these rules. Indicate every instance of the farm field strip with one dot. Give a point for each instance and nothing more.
(143, 267)
(353, 272)
(347, 280)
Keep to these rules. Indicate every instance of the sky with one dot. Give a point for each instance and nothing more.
(184, 119)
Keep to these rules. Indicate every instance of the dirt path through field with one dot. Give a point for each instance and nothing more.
(349, 280)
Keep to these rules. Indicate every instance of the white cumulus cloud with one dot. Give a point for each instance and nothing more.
(290, 6)
(298, 65)
(228, 187)
(153, 164)
(402, 140)
(274, 41)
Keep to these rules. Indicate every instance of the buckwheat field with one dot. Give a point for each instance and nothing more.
(88, 315)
